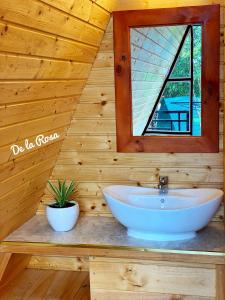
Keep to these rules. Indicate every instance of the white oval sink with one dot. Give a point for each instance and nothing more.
(176, 215)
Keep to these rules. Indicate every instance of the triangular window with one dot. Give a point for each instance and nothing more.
(177, 109)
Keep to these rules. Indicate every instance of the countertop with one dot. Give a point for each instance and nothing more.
(106, 232)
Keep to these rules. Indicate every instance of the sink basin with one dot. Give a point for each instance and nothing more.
(177, 215)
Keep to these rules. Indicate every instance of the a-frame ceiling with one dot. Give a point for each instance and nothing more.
(47, 48)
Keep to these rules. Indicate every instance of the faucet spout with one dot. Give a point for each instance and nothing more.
(163, 185)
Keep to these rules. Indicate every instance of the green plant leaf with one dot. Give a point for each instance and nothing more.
(59, 184)
(70, 190)
(55, 190)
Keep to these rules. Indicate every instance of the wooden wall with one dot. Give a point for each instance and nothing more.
(47, 48)
(89, 156)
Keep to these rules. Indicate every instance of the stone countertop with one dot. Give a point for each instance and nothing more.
(107, 232)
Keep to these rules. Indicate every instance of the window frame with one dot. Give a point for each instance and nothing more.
(209, 17)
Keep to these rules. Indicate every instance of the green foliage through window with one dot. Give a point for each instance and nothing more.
(182, 67)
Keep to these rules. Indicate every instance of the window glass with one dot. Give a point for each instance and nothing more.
(166, 80)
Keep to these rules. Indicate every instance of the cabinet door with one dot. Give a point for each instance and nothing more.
(145, 280)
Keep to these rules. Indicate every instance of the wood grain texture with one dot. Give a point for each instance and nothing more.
(20, 40)
(13, 133)
(83, 9)
(153, 277)
(79, 251)
(55, 21)
(22, 211)
(135, 4)
(89, 155)
(114, 278)
(98, 294)
(16, 264)
(220, 282)
(46, 52)
(12, 114)
(48, 284)
(59, 263)
(7, 156)
(24, 208)
(22, 163)
(4, 260)
(25, 91)
(14, 66)
(121, 174)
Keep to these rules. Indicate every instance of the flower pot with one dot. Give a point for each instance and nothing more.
(62, 219)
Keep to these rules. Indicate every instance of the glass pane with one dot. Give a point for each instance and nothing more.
(197, 65)
(154, 50)
(182, 67)
(173, 110)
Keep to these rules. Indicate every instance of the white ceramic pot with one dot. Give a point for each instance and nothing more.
(63, 219)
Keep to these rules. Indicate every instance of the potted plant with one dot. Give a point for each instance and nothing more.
(63, 213)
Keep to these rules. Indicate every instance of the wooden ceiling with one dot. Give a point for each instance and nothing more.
(47, 48)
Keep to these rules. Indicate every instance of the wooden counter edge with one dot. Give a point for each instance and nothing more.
(111, 251)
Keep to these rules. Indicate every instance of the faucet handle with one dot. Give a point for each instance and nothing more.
(163, 179)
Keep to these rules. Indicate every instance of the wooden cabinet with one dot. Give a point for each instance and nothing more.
(123, 279)
(120, 278)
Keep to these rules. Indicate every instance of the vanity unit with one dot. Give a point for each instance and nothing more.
(46, 69)
(122, 267)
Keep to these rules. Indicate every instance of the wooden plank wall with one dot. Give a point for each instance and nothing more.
(47, 48)
(89, 156)
(124, 279)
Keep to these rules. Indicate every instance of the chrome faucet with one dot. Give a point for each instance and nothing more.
(163, 185)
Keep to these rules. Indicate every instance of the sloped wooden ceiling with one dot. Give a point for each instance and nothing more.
(47, 48)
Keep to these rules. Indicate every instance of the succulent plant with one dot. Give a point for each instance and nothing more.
(62, 193)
